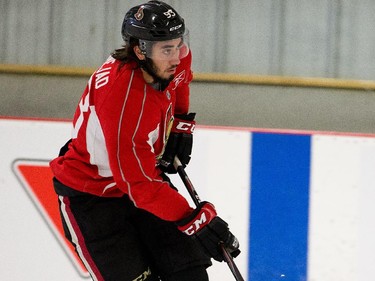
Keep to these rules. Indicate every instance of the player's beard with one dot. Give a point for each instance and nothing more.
(149, 66)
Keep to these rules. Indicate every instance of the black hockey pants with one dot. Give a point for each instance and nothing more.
(119, 242)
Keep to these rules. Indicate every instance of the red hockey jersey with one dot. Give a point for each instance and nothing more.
(120, 129)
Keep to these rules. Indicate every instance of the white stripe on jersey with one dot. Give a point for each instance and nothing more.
(96, 144)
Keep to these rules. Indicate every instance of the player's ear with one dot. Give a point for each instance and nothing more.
(139, 53)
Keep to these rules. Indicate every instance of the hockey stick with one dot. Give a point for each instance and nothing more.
(194, 195)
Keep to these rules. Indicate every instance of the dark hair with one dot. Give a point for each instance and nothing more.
(126, 53)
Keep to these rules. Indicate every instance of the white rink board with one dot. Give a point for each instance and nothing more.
(30, 250)
(342, 196)
(341, 225)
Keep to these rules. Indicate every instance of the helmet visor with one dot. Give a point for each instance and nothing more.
(166, 50)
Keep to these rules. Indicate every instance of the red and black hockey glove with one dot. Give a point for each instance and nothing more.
(180, 142)
(210, 230)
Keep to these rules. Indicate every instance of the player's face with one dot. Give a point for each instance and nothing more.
(166, 57)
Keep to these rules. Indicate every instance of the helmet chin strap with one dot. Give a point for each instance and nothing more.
(159, 83)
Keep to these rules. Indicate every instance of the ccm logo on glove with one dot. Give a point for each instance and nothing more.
(180, 143)
(201, 217)
(181, 126)
(209, 230)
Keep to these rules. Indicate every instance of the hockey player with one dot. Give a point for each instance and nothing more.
(119, 209)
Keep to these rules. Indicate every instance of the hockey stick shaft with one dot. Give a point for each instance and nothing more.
(185, 179)
(194, 195)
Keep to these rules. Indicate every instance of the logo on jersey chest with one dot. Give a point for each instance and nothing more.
(178, 79)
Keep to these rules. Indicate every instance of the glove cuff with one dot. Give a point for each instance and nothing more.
(183, 126)
(198, 219)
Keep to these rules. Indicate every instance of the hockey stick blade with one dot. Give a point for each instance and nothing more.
(194, 195)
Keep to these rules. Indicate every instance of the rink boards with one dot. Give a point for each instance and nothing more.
(301, 203)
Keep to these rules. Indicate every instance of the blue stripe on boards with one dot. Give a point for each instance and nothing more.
(280, 173)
